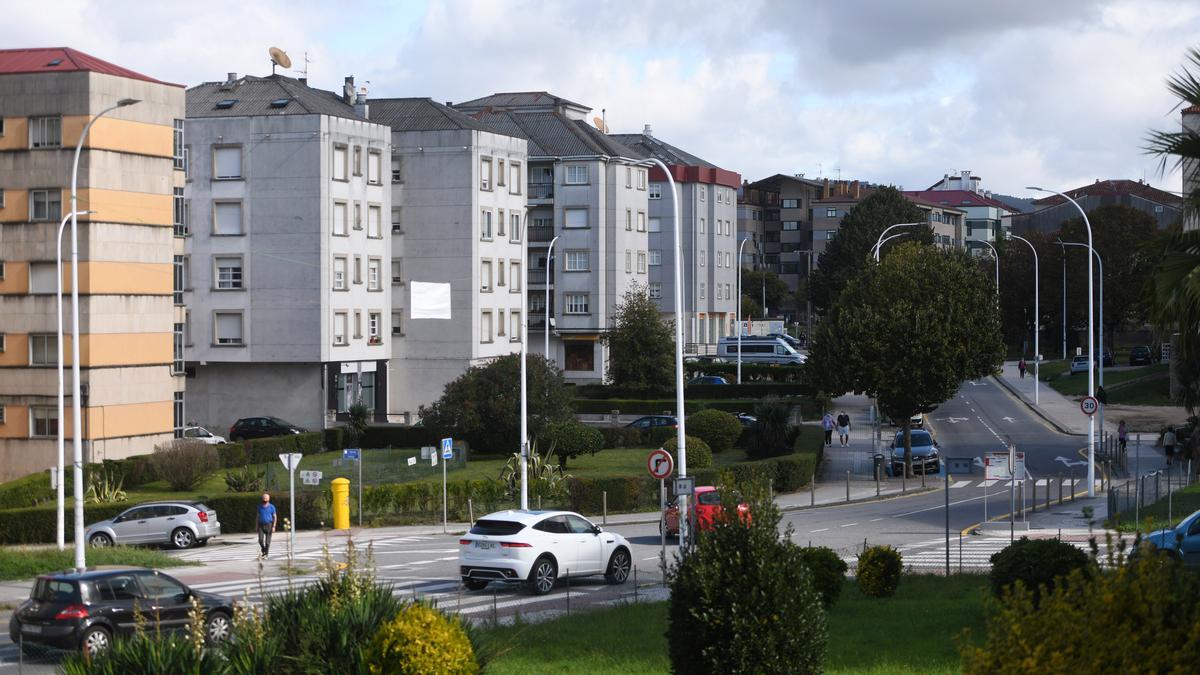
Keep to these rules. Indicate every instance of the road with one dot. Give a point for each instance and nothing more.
(977, 420)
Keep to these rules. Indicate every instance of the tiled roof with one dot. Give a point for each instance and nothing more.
(1192, 109)
(935, 205)
(63, 60)
(518, 99)
(421, 114)
(553, 135)
(254, 96)
(1103, 188)
(774, 183)
(959, 199)
(649, 146)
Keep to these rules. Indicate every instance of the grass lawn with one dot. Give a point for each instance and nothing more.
(1076, 385)
(1154, 516)
(913, 632)
(1150, 392)
(26, 562)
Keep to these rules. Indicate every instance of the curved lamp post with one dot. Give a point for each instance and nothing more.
(739, 310)
(60, 488)
(1100, 319)
(889, 228)
(1037, 318)
(996, 256)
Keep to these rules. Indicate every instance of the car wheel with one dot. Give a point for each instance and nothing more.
(618, 567)
(182, 538)
(543, 575)
(100, 540)
(475, 584)
(95, 640)
(201, 542)
(217, 628)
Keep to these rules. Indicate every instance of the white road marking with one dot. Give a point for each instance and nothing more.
(848, 525)
(960, 484)
(823, 529)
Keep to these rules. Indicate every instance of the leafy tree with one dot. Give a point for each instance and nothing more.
(483, 405)
(750, 308)
(754, 282)
(641, 344)
(850, 250)
(571, 438)
(909, 331)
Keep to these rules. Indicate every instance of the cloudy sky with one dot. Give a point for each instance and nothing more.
(1055, 92)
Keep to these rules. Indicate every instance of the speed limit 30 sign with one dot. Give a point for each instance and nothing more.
(1089, 405)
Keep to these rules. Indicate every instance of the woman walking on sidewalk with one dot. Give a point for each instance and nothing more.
(1021, 367)
(1122, 436)
(827, 427)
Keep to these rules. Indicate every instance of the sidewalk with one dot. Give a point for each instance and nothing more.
(858, 458)
(1061, 412)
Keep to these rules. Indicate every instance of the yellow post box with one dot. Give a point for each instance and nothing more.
(341, 503)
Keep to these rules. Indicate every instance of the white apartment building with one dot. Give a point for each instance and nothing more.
(285, 272)
(457, 218)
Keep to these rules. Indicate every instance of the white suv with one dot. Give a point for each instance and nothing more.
(538, 547)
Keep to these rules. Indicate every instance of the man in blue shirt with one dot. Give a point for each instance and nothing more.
(266, 524)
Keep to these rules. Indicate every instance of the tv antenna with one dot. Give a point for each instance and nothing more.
(279, 58)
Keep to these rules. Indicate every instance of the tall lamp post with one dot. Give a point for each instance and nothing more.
(739, 310)
(525, 380)
(1100, 319)
(808, 299)
(1037, 319)
(549, 265)
(62, 386)
(76, 406)
(1064, 302)
(889, 228)
(996, 256)
(1091, 346)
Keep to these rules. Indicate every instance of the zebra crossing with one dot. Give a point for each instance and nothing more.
(973, 553)
(248, 551)
(1053, 483)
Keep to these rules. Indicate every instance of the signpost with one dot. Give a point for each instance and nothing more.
(356, 455)
(660, 464)
(447, 455)
(311, 477)
(1089, 405)
(1010, 466)
(291, 460)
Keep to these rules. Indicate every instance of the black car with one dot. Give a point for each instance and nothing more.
(86, 611)
(925, 457)
(261, 427)
(652, 421)
(1140, 356)
(1107, 358)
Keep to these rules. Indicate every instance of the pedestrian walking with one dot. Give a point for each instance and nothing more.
(827, 427)
(843, 424)
(267, 519)
(1021, 367)
(1122, 436)
(1169, 444)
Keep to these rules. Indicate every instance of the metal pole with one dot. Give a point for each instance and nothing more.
(739, 311)
(605, 512)
(996, 257)
(946, 489)
(292, 463)
(445, 518)
(360, 461)
(1012, 493)
(60, 487)
(1064, 305)
(879, 241)
(524, 449)
(662, 522)
(1037, 322)
(471, 510)
(847, 485)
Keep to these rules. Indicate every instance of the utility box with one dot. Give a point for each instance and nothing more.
(341, 503)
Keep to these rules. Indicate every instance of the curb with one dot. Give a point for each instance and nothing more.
(1002, 381)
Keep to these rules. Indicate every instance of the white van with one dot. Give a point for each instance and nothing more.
(759, 349)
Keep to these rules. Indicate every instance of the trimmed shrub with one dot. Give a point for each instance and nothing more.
(27, 492)
(245, 479)
(621, 437)
(39, 525)
(699, 455)
(267, 450)
(570, 439)
(232, 455)
(421, 641)
(770, 437)
(334, 439)
(719, 429)
(828, 572)
(184, 463)
(1038, 563)
(879, 569)
(237, 511)
(658, 436)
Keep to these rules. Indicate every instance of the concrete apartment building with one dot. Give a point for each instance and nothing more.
(985, 216)
(458, 192)
(1051, 212)
(708, 202)
(130, 176)
(592, 193)
(287, 253)
(786, 206)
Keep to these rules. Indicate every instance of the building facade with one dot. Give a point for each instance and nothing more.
(985, 217)
(1051, 212)
(130, 177)
(287, 252)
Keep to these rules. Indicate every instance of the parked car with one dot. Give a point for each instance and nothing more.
(925, 456)
(1108, 358)
(1079, 364)
(652, 421)
(203, 435)
(707, 504)
(261, 427)
(702, 359)
(69, 610)
(708, 379)
(181, 524)
(746, 419)
(760, 349)
(796, 343)
(539, 547)
(1141, 356)
(1182, 542)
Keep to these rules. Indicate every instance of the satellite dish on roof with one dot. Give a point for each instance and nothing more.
(600, 124)
(279, 58)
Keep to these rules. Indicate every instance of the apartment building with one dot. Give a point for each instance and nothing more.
(785, 203)
(591, 193)
(130, 178)
(1049, 213)
(458, 205)
(708, 206)
(284, 275)
(985, 216)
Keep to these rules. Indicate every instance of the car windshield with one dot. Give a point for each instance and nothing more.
(496, 528)
(919, 439)
(282, 423)
(55, 591)
(712, 498)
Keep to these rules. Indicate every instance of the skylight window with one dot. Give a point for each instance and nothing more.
(55, 62)
(225, 104)
(280, 102)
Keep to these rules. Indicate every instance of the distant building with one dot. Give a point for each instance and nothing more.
(783, 205)
(985, 217)
(131, 324)
(1051, 212)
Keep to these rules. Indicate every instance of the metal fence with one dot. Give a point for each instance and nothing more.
(379, 466)
(1128, 501)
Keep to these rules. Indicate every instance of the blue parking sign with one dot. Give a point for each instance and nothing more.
(350, 453)
(447, 448)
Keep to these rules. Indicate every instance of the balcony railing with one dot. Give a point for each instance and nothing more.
(538, 276)
(541, 190)
(541, 232)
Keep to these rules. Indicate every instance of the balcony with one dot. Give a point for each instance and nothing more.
(538, 276)
(541, 190)
(541, 233)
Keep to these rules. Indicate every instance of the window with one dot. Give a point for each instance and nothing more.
(831, 213)
(357, 160)
(397, 323)
(718, 289)
(628, 220)
(339, 162)
(641, 221)
(397, 278)
(373, 282)
(500, 323)
(227, 162)
(178, 415)
(514, 228)
(396, 166)
(228, 272)
(485, 276)
(577, 174)
(702, 190)
(500, 177)
(575, 218)
(374, 220)
(702, 257)
(179, 279)
(655, 191)
(374, 167)
(373, 327)
(629, 177)
(641, 262)
(358, 215)
(177, 349)
(358, 269)
(790, 204)
(641, 179)
(655, 290)
(514, 275)
(339, 273)
(514, 178)
(227, 218)
(501, 278)
(701, 226)
(485, 224)
(628, 261)
(397, 223)
(577, 303)
(43, 350)
(485, 173)
(655, 224)
(500, 223)
(577, 261)
(358, 324)
(728, 293)
(340, 324)
(180, 221)
(514, 332)
(45, 132)
(339, 218)
(579, 355)
(43, 421)
(655, 257)
(43, 277)
(1, 196)
(227, 328)
(791, 225)
(485, 326)
(45, 204)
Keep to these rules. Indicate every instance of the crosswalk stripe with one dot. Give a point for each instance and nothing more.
(961, 483)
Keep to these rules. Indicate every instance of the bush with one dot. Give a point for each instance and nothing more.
(394, 436)
(27, 491)
(421, 641)
(232, 455)
(699, 455)
(828, 572)
(622, 437)
(237, 511)
(1037, 563)
(39, 525)
(770, 434)
(184, 463)
(742, 601)
(245, 479)
(334, 439)
(267, 450)
(719, 429)
(569, 439)
(878, 573)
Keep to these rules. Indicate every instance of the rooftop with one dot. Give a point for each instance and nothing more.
(552, 135)
(421, 114)
(959, 198)
(520, 99)
(1112, 187)
(63, 60)
(259, 96)
(647, 146)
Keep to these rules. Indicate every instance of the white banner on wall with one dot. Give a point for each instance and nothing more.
(429, 300)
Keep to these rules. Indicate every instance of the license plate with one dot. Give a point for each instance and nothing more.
(31, 629)
(485, 545)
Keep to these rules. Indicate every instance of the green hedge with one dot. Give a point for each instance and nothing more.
(34, 489)
(267, 450)
(237, 512)
(697, 391)
(751, 372)
(663, 406)
(39, 525)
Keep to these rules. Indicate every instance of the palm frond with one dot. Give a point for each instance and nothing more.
(1185, 84)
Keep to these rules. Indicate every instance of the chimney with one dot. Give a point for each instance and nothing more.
(855, 188)
(449, 104)
(360, 104)
(304, 81)
(647, 131)
(348, 90)
(230, 78)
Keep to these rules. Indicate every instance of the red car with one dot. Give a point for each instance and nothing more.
(707, 506)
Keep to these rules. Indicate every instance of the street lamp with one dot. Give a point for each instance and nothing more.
(76, 407)
(889, 228)
(549, 263)
(1091, 346)
(1100, 367)
(1037, 318)
(739, 310)
(1064, 302)
(808, 296)
(879, 246)
(996, 255)
(60, 487)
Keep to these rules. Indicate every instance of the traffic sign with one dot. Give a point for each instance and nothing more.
(1089, 405)
(447, 448)
(290, 460)
(311, 477)
(660, 464)
(412, 461)
(996, 466)
(685, 485)
(350, 453)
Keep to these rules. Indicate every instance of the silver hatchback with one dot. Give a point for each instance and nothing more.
(177, 524)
